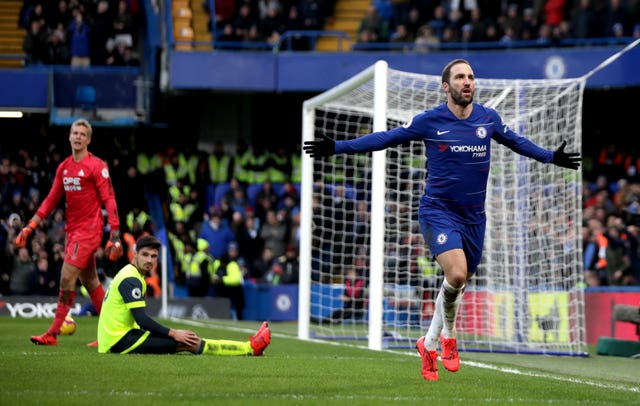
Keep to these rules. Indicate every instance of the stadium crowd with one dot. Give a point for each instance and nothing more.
(542, 22)
(433, 22)
(80, 33)
(104, 33)
(229, 217)
(233, 215)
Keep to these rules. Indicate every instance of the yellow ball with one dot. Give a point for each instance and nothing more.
(68, 326)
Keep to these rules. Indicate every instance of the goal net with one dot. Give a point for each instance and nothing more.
(359, 213)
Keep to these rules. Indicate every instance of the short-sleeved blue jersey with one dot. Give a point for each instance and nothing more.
(458, 155)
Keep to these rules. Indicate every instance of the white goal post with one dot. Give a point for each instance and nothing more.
(360, 211)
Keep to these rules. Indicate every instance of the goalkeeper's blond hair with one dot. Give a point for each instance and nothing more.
(83, 123)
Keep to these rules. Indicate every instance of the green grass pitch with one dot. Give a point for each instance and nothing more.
(292, 372)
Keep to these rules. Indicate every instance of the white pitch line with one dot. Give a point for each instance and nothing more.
(509, 370)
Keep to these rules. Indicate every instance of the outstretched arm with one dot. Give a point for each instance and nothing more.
(376, 141)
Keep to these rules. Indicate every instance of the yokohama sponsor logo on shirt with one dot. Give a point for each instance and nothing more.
(71, 184)
(468, 148)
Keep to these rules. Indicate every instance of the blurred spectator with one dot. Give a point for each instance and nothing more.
(312, 17)
(530, 25)
(414, 20)
(123, 22)
(216, 232)
(46, 283)
(229, 281)
(61, 16)
(122, 55)
(266, 199)
(79, 38)
(271, 25)
(262, 265)
(244, 20)
(402, 35)
(19, 206)
(265, 7)
(426, 40)
(57, 52)
(554, 12)
(584, 22)
(289, 267)
(439, 21)
(545, 35)
(34, 43)
(618, 257)
(200, 269)
(462, 7)
(228, 34)
(101, 31)
(220, 163)
(273, 232)
(374, 27)
(478, 24)
(22, 274)
(225, 10)
(295, 22)
(615, 12)
(36, 13)
(249, 241)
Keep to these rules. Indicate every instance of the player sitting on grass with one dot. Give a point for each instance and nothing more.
(124, 326)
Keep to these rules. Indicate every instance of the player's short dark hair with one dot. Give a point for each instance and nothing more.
(446, 72)
(148, 241)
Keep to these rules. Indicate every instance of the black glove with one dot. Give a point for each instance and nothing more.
(569, 160)
(320, 147)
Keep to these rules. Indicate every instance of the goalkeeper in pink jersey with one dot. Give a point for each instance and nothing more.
(83, 179)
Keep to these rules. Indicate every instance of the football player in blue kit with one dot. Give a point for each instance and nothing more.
(457, 136)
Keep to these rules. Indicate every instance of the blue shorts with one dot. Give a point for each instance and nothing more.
(443, 232)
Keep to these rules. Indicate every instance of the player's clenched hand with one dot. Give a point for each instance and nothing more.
(321, 147)
(113, 250)
(21, 239)
(569, 160)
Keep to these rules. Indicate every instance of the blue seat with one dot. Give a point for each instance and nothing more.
(252, 192)
(210, 195)
(221, 190)
(85, 100)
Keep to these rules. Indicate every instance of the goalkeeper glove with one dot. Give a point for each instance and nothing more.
(21, 239)
(113, 250)
(569, 160)
(320, 148)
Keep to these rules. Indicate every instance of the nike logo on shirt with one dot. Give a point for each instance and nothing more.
(442, 132)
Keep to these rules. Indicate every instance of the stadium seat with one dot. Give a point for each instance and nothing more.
(279, 189)
(184, 38)
(252, 192)
(85, 100)
(182, 16)
(210, 195)
(221, 190)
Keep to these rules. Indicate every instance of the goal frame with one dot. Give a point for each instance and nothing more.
(378, 72)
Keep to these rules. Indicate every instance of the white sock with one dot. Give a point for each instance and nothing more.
(451, 299)
(432, 338)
